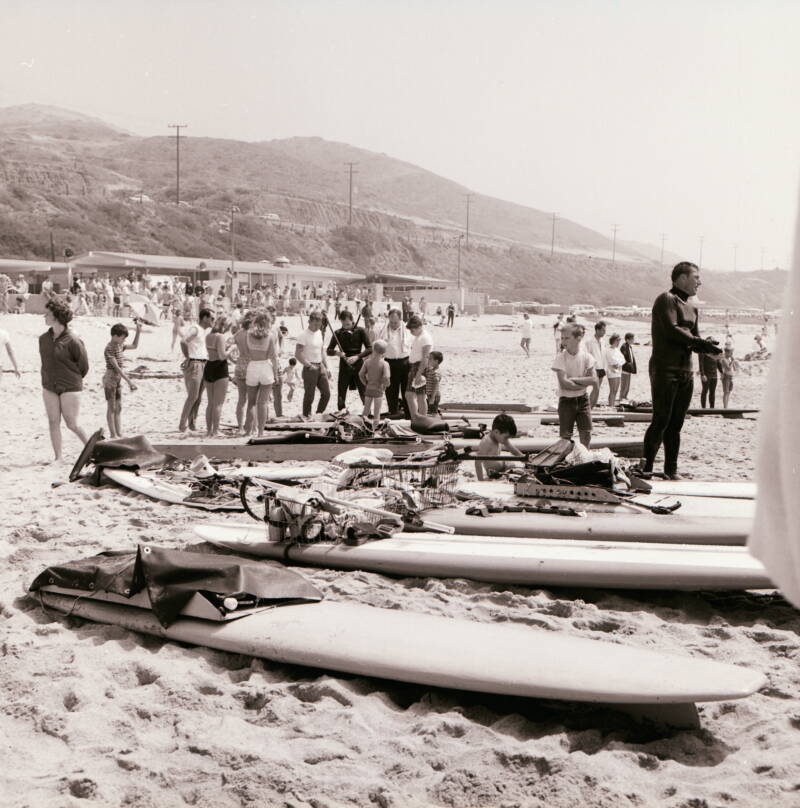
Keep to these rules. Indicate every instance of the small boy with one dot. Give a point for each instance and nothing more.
(433, 379)
(375, 376)
(112, 379)
(728, 367)
(291, 377)
(575, 371)
(492, 444)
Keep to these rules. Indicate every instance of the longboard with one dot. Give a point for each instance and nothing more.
(157, 487)
(636, 527)
(508, 560)
(443, 652)
(689, 505)
(625, 447)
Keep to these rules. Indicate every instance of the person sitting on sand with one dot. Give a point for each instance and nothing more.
(575, 372)
(493, 443)
(112, 378)
(64, 367)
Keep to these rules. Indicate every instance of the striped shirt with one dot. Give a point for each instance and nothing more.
(113, 350)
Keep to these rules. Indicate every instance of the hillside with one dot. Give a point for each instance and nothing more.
(80, 179)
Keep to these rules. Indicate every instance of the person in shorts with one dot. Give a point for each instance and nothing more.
(575, 372)
(114, 374)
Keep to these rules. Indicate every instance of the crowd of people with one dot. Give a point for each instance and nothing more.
(392, 360)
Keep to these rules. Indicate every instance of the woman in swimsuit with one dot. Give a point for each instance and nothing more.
(240, 373)
(262, 370)
(215, 375)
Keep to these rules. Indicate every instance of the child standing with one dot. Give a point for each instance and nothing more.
(291, 377)
(575, 372)
(433, 380)
(728, 367)
(112, 379)
(375, 375)
(492, 444)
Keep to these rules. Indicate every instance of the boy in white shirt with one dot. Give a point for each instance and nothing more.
(575, 371)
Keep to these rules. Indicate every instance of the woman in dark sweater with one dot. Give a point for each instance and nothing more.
(64, 365)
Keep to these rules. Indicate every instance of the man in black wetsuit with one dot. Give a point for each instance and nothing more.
(351, 344)
(674, 336)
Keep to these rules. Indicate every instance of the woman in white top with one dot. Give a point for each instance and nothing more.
(614, 360)
(262, 370)
(421, 347)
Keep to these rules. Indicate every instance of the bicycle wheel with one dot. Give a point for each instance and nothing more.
(255, 499)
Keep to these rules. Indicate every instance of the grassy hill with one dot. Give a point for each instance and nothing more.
(79, 179)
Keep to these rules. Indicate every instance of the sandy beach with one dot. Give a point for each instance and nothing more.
(97, 716)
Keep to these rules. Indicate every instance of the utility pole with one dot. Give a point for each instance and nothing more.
(700, 260)
(468, 197)
(52, 248)
(177, 127)
(614, 247)
(663, 237)
(234, 211)
(458, 240)
(553, 236)
(350, 204)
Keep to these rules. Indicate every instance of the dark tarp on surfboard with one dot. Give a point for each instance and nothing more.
(172, 577)
(427, 425)
(135, 452)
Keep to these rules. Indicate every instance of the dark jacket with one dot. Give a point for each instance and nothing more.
(710, 366)
(674, 331)
(64, 362)
(630, 358)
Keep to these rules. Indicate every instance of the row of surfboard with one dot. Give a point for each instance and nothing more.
(638, 549)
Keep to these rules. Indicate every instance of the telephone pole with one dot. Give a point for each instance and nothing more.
(553, 236)
(459, 260)
(468, 198)
(350, 204)
(700, 260)
(663, 237)
(614, 247)
(177, 127)
(234, 211)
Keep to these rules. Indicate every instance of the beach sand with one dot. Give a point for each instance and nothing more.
(95, 715)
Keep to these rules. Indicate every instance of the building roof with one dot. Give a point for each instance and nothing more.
(15, 265)
(420, 280)
(102, 259)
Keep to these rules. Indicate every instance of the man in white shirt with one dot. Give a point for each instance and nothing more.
(595, 347)
(398, 344)
(316, 376)
(193, 344)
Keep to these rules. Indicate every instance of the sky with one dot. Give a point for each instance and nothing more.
(658, 116)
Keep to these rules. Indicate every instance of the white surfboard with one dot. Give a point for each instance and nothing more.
(152, 486)
(444, 652)
(689, 505)
(704, 488)
(510, 560)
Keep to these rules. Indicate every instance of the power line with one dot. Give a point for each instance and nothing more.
(350, 204)
(177, 127)
(614, 246)
(663, 238)
(468, 198)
